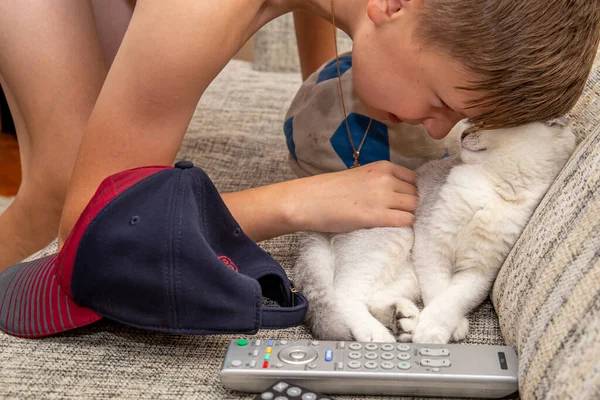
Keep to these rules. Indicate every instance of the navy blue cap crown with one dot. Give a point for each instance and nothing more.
(166, 254)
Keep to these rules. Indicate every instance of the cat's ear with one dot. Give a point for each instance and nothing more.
(560, 121)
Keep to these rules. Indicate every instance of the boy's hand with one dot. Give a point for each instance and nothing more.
(375, 195)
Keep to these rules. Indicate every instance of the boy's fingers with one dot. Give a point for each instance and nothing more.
(404, 173)
(399, 219)
(403, 187)
(404, 202)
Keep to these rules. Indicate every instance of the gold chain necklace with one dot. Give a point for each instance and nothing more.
(355, 151)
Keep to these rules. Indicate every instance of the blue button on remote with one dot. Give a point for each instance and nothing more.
(328, 355)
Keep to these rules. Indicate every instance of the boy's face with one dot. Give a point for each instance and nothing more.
(398, 79)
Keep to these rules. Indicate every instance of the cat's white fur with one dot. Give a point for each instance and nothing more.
(364, 285)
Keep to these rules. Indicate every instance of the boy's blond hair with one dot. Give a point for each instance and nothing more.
(532, 57)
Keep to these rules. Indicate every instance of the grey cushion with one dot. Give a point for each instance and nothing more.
(236, 136)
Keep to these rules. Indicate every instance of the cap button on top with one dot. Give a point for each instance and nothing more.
(184, 164)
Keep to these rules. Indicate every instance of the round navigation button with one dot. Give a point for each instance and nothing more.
(242, 342)
(371, 346)
(387, 347)
(371, 356)
(387, 356)
(403, 347)
(355, 355)
(355, 346)
(354, 364)
(371, 364)
(236, 363)
(297, 354)
(404, 356)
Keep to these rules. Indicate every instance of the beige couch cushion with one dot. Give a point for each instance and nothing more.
(547, 294)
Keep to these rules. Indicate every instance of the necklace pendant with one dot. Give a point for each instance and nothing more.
(356, 154)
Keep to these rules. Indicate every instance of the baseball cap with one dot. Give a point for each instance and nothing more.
(155, 248)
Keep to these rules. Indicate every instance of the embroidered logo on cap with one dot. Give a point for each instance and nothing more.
(230, 264)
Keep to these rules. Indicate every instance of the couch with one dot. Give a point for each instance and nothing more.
(545, 302)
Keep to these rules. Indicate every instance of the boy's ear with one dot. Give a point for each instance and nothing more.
(381, 11)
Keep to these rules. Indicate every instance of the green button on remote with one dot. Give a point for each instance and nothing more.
(242, 342)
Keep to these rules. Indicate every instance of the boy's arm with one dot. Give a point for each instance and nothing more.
(169, 55)
(315, 41)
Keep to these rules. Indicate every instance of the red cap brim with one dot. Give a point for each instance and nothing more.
(33, 304)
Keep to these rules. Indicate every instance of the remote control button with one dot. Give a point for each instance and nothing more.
(279, 365)
(266, 364)
(268, 350)
(355, 346)
(315, 343)
(283, 342)
(371, 346)
(252, 363)
(404, 356)
(312, 366)
(354, 364)
(404, 365)
(236, 363)
(267, 357)
(371, 364)
(328, 355)
(403, 347)
(280, 387)
(355, 355)
(255, 353)
(426, 362)
(387, 347)
(434, 352)
(387, 365)
(266, 396)
(242, 342)
(297, 354)
(281, 398)
(435, 369)
(371, 356)
(342, 345)
(270, 343)
(309, 396)
(340, 365)
(294, 391)
(258, 343)
(387, 356)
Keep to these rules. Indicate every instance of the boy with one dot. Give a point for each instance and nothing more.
(412, 60)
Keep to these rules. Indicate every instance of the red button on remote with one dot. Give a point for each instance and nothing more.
(266, 364)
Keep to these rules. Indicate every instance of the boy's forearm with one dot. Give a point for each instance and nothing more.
(150, 94)
(265, 212)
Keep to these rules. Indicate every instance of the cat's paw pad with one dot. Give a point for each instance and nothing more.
(405, 319)
(461, 331)
(373, 334)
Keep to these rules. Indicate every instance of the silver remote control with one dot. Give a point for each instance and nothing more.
(407, 369)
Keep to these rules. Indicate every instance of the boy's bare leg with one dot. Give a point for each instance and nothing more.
(52, 69)
(315, 41)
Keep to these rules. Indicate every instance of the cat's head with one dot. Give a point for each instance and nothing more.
(525, 146)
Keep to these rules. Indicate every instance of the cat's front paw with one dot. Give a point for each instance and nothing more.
(432, 327)
(405, 319)
(461, 331)
(373, 333)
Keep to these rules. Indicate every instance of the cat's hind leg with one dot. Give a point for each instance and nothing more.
(314, 275)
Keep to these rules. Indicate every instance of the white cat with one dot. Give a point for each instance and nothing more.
(472, 208)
